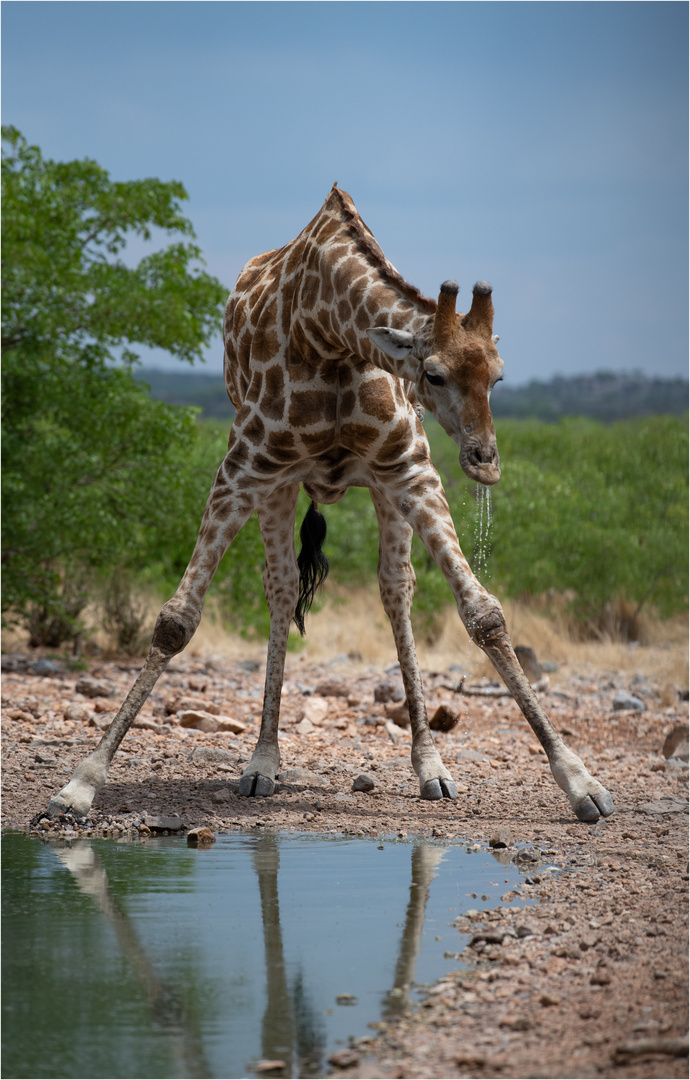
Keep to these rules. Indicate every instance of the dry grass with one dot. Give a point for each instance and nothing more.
(353, 623)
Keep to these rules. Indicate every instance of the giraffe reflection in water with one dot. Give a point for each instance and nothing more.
(425, 860)
(292, 1028)
(168, 1010)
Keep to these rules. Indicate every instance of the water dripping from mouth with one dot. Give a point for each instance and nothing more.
(479, 564)
(482, 532)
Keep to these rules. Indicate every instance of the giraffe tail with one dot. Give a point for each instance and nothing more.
(313, 564)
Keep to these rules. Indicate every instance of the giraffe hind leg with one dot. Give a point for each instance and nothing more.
(281, 583)
(396, 584)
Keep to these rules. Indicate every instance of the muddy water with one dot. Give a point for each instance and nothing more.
(158, 960)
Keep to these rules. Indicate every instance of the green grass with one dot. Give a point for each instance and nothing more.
(593, 511)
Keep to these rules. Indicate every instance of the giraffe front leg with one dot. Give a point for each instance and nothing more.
(423, 502)
(227, 509)
(281, 583)
(396, 584)
(588, 798)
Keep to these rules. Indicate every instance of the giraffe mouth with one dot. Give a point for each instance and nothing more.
(481, 464)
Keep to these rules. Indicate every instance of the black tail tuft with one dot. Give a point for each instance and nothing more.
(313, 564)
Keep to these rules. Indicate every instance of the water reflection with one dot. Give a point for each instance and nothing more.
(169, 1012)
(291, 1029)
(180, 962)
(424, 861)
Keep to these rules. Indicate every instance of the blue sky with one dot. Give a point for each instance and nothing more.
(541, 146)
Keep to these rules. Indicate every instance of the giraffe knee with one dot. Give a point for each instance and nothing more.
(173, 631)
(487, 627)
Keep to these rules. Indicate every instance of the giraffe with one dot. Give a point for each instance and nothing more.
(331, 357)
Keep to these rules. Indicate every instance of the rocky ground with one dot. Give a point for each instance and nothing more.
(590, 981)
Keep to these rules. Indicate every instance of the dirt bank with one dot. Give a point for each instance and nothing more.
(591, 981)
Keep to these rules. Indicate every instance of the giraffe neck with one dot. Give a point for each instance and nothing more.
(348, 287)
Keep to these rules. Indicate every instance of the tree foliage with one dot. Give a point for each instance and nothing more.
(91, 466)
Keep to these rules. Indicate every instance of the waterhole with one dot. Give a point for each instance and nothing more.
(158, 960)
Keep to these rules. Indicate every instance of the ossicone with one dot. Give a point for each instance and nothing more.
(445, 322)
(481, 314)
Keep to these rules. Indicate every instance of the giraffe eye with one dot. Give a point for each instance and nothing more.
(435, 380)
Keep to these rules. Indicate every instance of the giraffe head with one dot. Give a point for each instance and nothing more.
(454, 364)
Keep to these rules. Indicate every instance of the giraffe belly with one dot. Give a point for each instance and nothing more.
(323, 493)
(331, 475)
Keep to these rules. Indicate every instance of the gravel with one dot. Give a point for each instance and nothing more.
(589, 980)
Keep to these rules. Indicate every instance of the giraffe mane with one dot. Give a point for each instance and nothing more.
(368, 245)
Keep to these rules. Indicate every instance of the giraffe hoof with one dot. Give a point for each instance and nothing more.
(587, 810)
(595, 806)
(604, 802)
(439, 789)
(256, 784)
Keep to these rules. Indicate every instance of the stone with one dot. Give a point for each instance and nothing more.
(676, 743)
(45, 759)
(223, 795)
(668, 804)
(393, 731)
(198, 720)
(77, 713)
(14, 662)
(527, 659)
(229, 723)
(346, 999)
(502, 838)
(304, 777)
(444, 719)
(389, 691)
(182, 702)
(305, 727)
(364, 782)
(470, 1058)
(487, 937)
(268, 1064)
(92, 688)
(201, 837)
(249, 665)
(196, 683)
(343, 1059)
(45, 667)
(398, 714)
(315, 710)
(162, 822)
(332, 688)
(546, 1000)
(628, 703)
(210, 755)
(601, 977)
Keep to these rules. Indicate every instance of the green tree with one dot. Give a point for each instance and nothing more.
(92, 468)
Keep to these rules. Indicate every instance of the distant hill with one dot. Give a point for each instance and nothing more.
(603, 396)
(189, 388)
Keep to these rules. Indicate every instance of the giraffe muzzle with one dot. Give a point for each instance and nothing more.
(481, 463)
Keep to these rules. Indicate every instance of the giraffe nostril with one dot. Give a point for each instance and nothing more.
(482, 455)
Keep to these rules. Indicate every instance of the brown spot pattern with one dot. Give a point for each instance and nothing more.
(318, 443)
(281, 446)
(376, 399)
(254, 430)
(358, 437)
(348, 401)
(310, 406)
(273, 400)
(397, 442)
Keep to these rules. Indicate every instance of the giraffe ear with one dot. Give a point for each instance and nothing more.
(395, 343)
